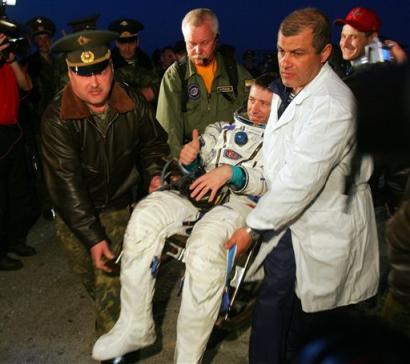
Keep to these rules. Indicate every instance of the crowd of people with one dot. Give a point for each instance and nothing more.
(88, 124)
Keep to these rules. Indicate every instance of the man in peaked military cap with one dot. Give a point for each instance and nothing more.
(127, 45)
(40, 63)
(77, 25)
(131, 64)
(99, 142)
(41, 66)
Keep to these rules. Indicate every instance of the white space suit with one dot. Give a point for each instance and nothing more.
(161, 215)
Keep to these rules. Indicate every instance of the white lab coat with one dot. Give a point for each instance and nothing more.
(307, 155)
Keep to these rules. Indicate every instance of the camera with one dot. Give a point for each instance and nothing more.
(375, 52)
(17, 44)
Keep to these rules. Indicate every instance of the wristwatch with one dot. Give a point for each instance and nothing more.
(254, 234)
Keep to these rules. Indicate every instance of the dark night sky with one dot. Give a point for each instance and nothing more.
(244, 24)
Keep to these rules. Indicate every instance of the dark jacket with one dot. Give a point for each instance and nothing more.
(88, 170)
(42, 74)
(140, 58)
(398, 238)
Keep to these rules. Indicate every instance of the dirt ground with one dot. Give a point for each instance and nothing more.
(47, 317)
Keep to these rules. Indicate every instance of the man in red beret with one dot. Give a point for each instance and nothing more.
(361, 26)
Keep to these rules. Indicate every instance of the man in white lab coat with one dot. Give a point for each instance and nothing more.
(308, 146)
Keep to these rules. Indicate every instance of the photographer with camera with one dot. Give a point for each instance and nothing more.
(361, 47)
(359, 41)
(17, 212)
(9, 58)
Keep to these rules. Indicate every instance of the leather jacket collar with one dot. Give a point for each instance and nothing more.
(72, 107)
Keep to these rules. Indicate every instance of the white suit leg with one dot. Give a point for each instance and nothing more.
(155, 218)
(205, 279)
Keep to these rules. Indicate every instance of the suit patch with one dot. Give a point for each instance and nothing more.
(220, 89)
(194, 92)
(241, 138)
(231, 154)
(229, 127)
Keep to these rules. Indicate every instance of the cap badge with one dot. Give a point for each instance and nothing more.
(83, 40)
(356, 13)
(124, 23)
(39, 20)
(125, 34)
(87, 57)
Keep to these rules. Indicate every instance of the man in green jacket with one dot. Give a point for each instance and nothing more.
(100, 142)
(131, 64)
(206, 89)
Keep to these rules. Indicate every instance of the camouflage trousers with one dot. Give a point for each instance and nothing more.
(104, 288)
(396, 314)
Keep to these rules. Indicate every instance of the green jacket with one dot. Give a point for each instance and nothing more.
(138, 77)
(202, 109)
(89, 170)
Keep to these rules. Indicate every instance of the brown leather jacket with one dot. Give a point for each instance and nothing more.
(88, 170)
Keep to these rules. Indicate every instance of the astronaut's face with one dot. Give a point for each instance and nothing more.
(259, 104)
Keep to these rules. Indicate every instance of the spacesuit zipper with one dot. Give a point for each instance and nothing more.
(218, 157)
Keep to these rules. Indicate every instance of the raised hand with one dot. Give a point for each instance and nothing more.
(190, 150)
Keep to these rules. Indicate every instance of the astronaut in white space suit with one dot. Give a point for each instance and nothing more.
(231, 154)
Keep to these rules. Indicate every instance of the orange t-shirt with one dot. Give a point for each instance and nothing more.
(207, 73)
(9, 96)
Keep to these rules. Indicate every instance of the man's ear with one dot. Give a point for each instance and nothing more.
(325, 53)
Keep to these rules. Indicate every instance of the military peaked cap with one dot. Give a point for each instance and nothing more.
(126, 28)
(41, 25)
(85, 23)
(87, 52)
